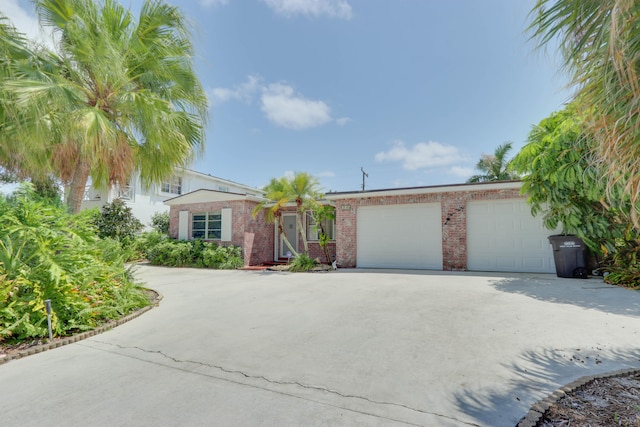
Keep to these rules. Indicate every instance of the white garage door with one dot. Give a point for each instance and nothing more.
(400, 236)
(502, 235)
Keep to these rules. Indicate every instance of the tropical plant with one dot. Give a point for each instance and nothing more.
(302, 262)
(495, 167)
(564, 181)
(600, 42)
(119, 95)
(300, 190)
(321, 214)
(46, 253)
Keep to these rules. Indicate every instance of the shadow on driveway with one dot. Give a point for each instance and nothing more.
(591, 294)
(536, 370)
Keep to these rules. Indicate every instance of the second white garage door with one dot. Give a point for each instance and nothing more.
(400, 236)
(502, 235)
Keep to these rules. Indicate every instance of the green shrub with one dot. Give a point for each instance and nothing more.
(145, 242)
(160, 222)
(46, 253)
(194, 253)
(222, 257)
(116, 221)
(302, 262)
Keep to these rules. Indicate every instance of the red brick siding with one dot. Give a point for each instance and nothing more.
(257, 249)
(454, 221)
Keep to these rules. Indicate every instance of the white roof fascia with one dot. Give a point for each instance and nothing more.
(207, 196)
(502, 185)
(222, 180)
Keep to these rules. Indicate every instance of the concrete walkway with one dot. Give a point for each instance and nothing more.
(353, 347)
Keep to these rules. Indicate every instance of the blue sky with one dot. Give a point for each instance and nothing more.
(414, 91)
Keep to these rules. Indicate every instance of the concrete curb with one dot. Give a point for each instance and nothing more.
(79, 337)
(539, 408)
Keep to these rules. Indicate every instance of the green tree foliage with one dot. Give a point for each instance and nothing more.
(118, 95)
(300, 190)
(495, 167)
(564, 181)
(600, 42)
(46, 253)
(116, 221)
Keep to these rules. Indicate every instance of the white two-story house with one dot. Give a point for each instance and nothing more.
(146, 202)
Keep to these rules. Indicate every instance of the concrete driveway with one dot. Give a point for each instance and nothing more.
(352, 347)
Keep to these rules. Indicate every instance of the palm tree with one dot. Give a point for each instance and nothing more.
(495, 167)
(117, 96)
(301, 190)
(600, 42)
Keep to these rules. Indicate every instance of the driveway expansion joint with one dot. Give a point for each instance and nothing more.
(284, 383)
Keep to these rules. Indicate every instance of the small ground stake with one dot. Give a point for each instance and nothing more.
(47, 304)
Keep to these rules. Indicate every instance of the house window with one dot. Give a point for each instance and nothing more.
(207, 226)
(172, 185)
(223, 189)
(312, 231)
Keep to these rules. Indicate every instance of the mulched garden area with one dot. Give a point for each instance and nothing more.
(601, 402)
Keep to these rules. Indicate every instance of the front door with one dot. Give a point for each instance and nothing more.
(291, 231)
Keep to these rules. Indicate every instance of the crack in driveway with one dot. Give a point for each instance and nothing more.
(287, 383)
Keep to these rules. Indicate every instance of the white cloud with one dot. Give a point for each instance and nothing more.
(332, 8)
(212, 3)
(242, 92)
(421, 156)
(326, 174)
(288, 109)
(343, 121)
(25, 22)
(461, 171)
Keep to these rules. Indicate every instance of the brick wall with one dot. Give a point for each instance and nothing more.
(253, 235)
(454, 221)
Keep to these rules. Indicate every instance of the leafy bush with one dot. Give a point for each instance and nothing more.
(46, 253)
(160, 222)
(622, 266)
(116, 221)
(194, 253)
(144, 243)
(302, 262)
(222, 257)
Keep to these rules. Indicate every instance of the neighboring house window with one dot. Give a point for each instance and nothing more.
(223, 189)
(207, 226)
(312, 231)
(173, 185)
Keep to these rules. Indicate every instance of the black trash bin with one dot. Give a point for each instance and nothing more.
(569, 255)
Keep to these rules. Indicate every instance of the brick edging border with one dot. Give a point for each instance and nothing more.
(84, 335)
(539, 408)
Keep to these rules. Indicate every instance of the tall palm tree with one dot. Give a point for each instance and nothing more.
(301, 190)
(495, 167)
(117, 96)
(600, 42)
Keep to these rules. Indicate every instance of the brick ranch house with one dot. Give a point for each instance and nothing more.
(479, 227)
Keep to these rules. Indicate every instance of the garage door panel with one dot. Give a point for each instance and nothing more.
(400, 236)
(502, 235)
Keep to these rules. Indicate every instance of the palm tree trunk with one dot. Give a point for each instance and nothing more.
(77, 186)
(284, 237)
(303, 232)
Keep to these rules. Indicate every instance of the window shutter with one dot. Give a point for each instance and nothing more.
(226, 225)
(183, 225)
